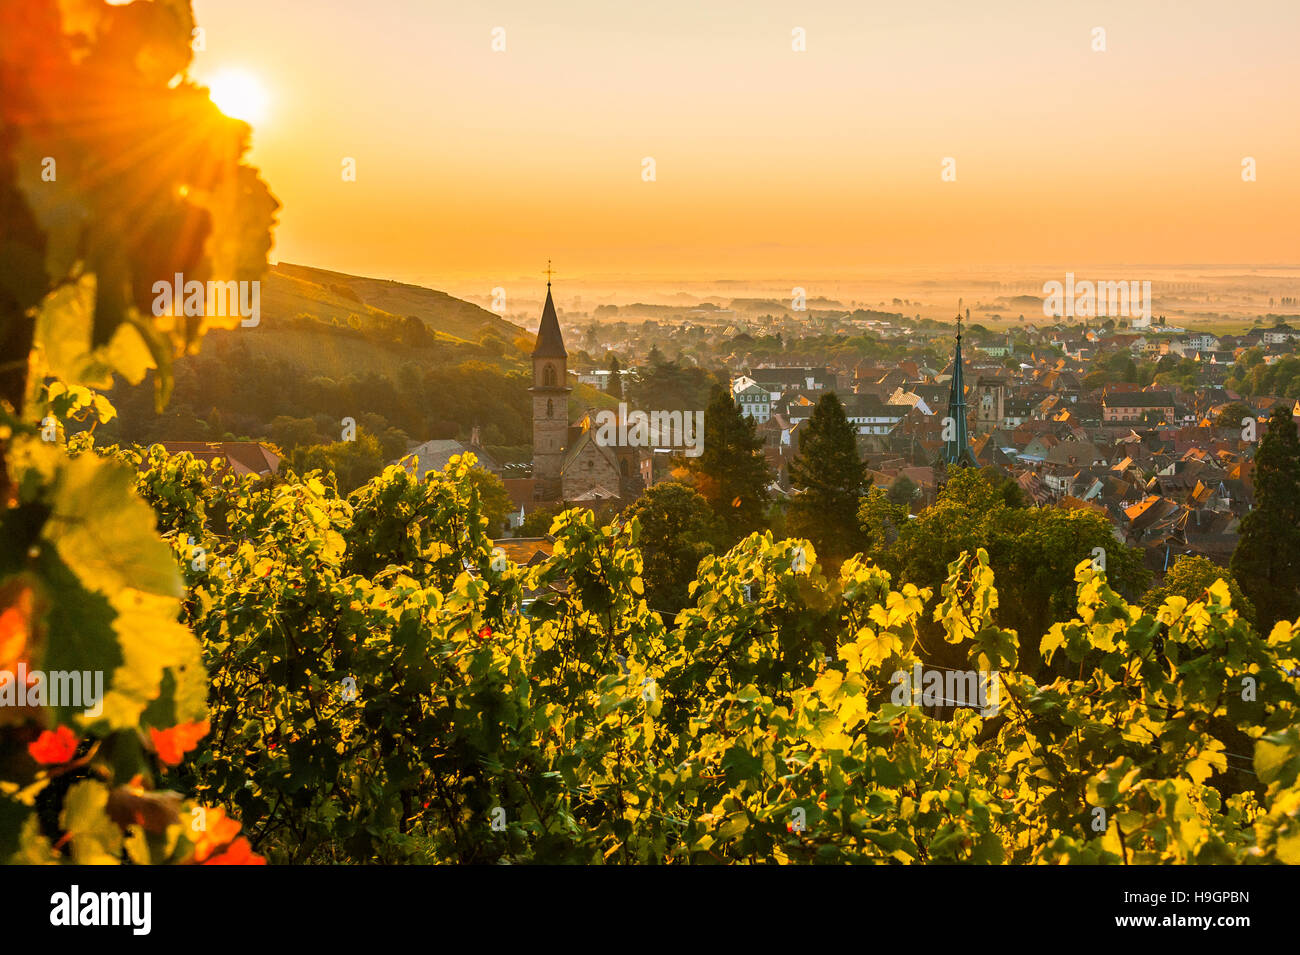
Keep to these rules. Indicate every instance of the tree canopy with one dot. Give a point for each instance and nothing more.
(731, 472)
(831, 478)
(1266, 562)
(677, 530)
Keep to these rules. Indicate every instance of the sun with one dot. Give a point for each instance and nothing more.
(239, 94)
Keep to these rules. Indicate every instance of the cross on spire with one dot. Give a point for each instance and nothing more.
(548, 273)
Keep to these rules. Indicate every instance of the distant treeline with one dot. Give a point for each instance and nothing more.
(232, 391)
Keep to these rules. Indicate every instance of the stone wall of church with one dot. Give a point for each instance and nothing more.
(550, 430)
(590, 468)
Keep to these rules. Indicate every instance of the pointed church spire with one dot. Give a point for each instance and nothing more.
(550, 343)
(956, 451)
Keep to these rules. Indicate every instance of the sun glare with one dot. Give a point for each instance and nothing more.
(238, 94)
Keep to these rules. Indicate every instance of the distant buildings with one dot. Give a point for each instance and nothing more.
(241, 457)
(1131, 406)
(1279, 334)
(435, 455)
(755, 400)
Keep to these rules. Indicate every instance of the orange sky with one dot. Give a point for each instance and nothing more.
(472, 163)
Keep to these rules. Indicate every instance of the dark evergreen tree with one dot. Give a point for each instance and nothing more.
(832, 478)
(615, 385)
(731, 472)
(1266, 562)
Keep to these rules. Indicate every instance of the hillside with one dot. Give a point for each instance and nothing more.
(290, 290)
(335, 324)
(324, 349)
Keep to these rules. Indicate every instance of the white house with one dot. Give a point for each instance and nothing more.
(754, 400)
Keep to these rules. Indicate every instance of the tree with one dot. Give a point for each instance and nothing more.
(1266, 562)
(1033, 551)
(537, 523)
(493, 500)
(678, 529)
(881, 518)
(1190, 577)
(731, 472)
(670, 385)
(832, 479)
(289, 433)
(1232, 414)
(352, 463)
(615, 384)
(492, 343)
(903, 492)
(414, 332)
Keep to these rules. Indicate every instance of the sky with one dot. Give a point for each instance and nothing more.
(476, 164)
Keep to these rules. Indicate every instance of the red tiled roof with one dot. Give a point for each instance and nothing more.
(521, 490)
(242, 457)
(526, 550)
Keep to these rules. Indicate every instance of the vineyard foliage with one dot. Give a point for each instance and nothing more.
(386, 686)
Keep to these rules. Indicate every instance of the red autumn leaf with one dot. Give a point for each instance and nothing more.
(238, 852)
(54, 746)
(15, 626)
(218, 830)
(172, 744)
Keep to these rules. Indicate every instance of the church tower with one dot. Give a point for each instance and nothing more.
(990, 404)
(550, 393)
(956, 446)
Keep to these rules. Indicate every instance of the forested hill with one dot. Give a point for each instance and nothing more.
(406, 363)
(291, 290)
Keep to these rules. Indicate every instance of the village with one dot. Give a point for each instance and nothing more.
(1059, 408)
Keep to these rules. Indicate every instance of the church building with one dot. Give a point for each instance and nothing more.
(569, 464)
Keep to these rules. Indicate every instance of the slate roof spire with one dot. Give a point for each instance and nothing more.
(550, 343)
(956, 451)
